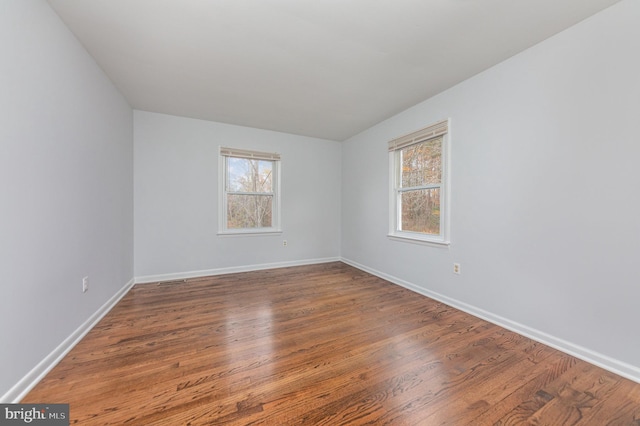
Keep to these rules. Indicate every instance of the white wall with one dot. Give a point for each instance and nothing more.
(66, 186)
(545, 204)
(176, 197)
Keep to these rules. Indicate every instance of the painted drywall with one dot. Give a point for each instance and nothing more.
(66, 186)
(545, 181)
(176, 197)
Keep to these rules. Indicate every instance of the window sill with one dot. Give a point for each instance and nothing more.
(407, 238)
(249, 232)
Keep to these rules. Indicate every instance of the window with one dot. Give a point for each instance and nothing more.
(249, 192)
(419, 193)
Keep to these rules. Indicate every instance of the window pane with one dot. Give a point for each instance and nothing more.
(422, 163)
(421, 211)
(245, 175)
(249, 211)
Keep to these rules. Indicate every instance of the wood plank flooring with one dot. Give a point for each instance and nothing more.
(319, 345)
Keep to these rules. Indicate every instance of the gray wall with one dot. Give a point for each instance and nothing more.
(545, 179)
(66, 186)
(544, 205)
(176, 197)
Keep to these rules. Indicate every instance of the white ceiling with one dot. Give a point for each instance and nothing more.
(323, 68)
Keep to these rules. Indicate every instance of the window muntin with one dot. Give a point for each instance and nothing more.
(418, 163)
(249, 202)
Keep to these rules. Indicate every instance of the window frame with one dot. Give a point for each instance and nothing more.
(434, 131)
(223, 165)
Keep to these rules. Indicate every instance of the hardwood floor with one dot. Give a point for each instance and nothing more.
(319, 345)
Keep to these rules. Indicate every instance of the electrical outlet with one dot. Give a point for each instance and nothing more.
(85, 284)
(456, 268)
(284, 243)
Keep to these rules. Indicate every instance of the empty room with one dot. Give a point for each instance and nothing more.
(296, 212)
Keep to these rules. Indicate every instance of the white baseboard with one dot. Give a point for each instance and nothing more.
(623, 369)
(20, 389)
(37, 373)
(230, 270)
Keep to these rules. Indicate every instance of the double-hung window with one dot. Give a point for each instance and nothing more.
(419, 187)
(249, 192)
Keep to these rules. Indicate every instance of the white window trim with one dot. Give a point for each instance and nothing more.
(441, 128)
(275, 229)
